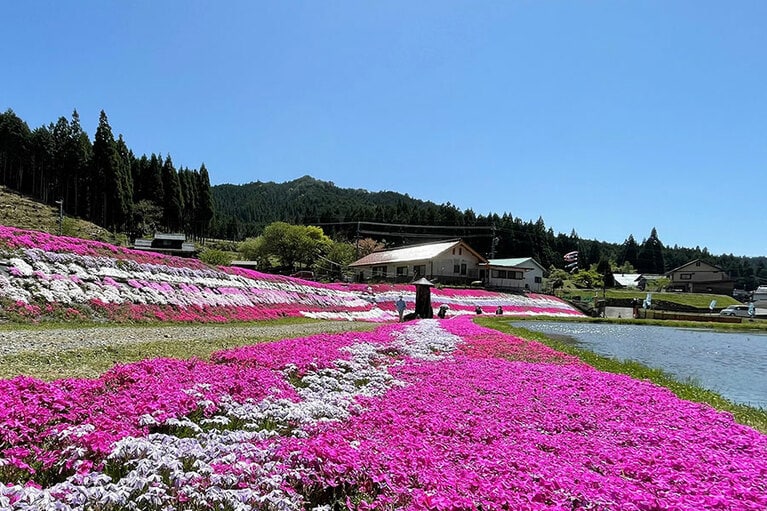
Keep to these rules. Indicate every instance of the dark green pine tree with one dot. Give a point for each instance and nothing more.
(628, 252)
(15, 147)
(110, 197)
(79, 153)
(124, 180)
(650, 257)
(204, 211)
(189, 193)
(173, 204)
(138, 171)
(42, 159)
(153, 183)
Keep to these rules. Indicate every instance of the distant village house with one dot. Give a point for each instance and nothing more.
(447, 262)
(517, 274)
(700, 277)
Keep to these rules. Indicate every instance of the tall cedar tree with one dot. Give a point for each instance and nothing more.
(111, 194)
(153, 182)
(78, 153)
(628, 252)
(14, 150)
(42, 161)
(173, 205)
(650, 258)
(204, 213)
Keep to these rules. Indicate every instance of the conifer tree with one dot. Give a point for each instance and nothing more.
(110, 193)
(650, 258)
(173, 203)
(204, 213)
(628, 252)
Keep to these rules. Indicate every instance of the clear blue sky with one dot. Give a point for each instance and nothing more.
(607, 117)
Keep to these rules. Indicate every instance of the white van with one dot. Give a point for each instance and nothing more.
(735, 310)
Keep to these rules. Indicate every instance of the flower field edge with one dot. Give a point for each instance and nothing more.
(46, 277)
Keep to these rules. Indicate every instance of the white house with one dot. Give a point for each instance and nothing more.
(447, 262)
(628, 280)
(519, 273)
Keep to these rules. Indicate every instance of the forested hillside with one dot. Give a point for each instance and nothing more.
(397, 219)
(104, 182)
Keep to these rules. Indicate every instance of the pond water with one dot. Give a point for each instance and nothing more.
(732, 364)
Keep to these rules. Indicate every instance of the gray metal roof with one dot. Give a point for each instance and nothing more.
(422, 252)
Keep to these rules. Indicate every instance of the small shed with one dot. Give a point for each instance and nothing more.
(167, 243)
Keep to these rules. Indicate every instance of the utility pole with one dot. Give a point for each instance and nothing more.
(357, 241)
(493, 241)
(60, 202)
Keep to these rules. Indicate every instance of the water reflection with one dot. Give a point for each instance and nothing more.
(732, 364)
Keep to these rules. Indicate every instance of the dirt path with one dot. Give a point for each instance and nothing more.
(62, 339)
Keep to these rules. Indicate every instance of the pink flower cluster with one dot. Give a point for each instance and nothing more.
(428, 415)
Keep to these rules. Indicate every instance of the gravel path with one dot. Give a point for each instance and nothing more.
(62, 339)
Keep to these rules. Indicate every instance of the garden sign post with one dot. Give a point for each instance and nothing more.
(423, 298)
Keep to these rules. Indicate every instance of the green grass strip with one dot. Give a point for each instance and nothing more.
(92, 362)
(744, 414)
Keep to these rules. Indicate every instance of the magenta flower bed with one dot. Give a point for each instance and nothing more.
(425, 415)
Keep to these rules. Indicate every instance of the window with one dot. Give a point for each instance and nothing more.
(516, 275)
(460, 251)
(379, 271)
(463, 269)
(401, 271)
(499, 274)
(685, 276)
(538, 280)
(456, 268)
(419, 270)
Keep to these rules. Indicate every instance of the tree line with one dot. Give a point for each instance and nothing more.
(395, 219)
(102, 181)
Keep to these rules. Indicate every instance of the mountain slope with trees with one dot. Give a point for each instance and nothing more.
(104, 182)
(243, 211)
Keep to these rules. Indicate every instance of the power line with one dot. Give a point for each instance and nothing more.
(413, 226)
(419, 235)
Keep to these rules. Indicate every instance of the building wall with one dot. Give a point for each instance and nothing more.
(530, 280)
(441, 268)
(699, 272)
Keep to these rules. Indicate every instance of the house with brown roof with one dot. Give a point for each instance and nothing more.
(447, 262)
(700, 277)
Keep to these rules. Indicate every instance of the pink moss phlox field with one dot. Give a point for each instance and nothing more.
(47, 419)
(500, 434)
(425, 415)
(61, 278)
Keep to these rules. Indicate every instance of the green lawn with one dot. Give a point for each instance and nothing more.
(619, 297)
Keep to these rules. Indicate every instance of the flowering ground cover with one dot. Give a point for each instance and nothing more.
(64, 278)
(430, 414)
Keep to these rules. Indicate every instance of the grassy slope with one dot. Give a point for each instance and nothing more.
(24, 213)
(750, 416)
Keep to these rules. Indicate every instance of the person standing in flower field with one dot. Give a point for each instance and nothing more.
(400, 305)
